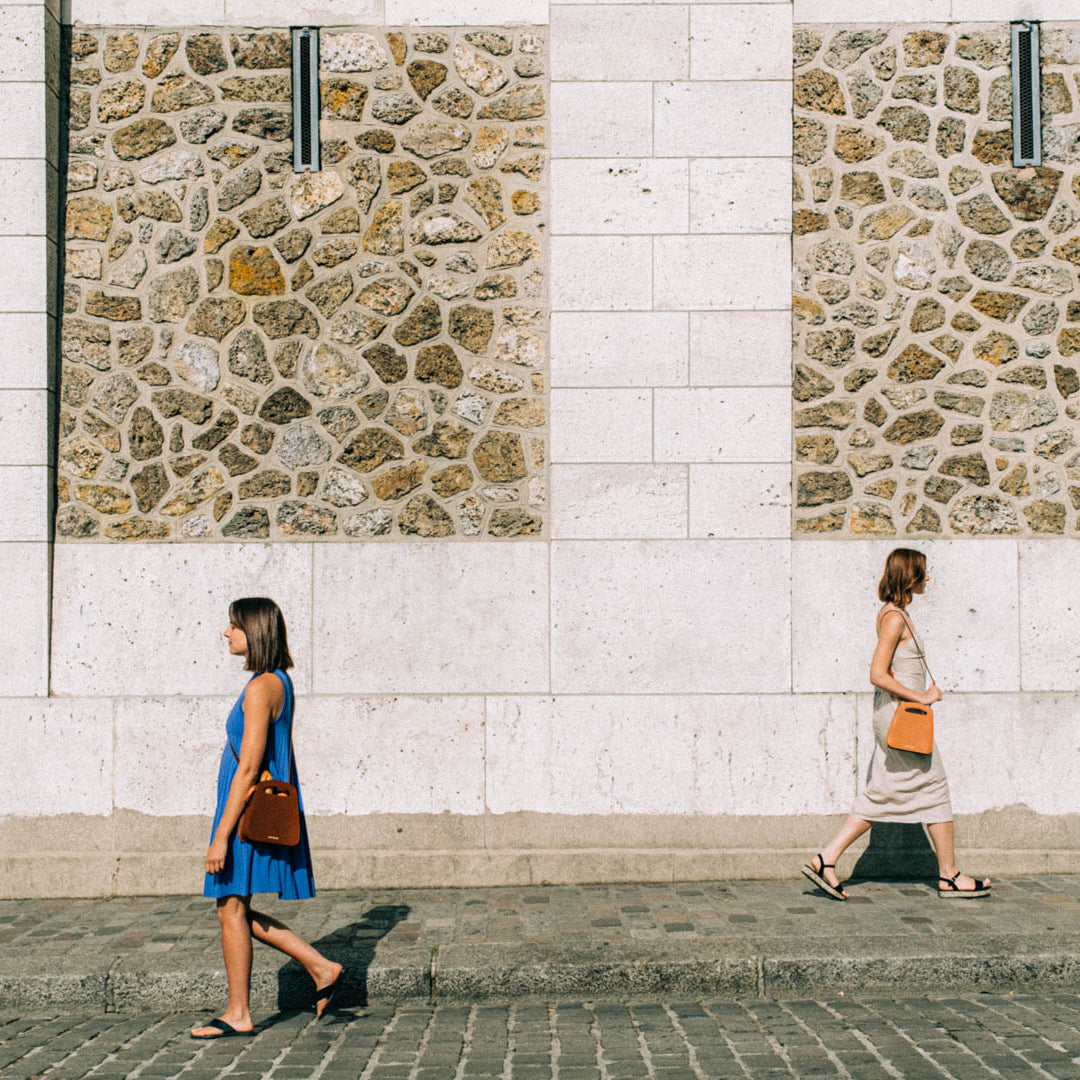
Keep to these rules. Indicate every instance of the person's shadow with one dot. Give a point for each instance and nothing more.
(896, 852)
(352, 945)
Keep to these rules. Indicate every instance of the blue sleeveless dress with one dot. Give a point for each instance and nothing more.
(262, 868)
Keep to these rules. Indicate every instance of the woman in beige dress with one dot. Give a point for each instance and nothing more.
(901, 786)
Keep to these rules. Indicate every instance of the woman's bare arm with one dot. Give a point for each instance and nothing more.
(261, 701)
(889, 634)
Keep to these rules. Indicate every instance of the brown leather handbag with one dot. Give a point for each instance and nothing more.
(912, 725)
(271, 812)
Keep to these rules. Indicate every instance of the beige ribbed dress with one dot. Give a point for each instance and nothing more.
(902, 786)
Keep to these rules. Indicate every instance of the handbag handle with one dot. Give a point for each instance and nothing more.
(903, 615)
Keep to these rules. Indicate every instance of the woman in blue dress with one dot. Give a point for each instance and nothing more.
(258, 736)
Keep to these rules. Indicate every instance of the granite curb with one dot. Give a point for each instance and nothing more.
(750, 968)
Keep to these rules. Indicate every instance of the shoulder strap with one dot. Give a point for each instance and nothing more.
(903, 614)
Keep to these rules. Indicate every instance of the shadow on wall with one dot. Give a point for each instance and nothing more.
(896, 853)
(352, 945)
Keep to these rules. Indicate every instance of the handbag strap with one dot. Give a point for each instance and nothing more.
(903, 615)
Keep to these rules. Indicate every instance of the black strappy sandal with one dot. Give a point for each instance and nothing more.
(327, 994)
(954, 892)
(818, 878)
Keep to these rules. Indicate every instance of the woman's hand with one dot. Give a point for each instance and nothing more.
(932, 695)
(215, 856)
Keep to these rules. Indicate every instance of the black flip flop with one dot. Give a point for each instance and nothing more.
(327, 994)
(819, 878)
(226, 1029)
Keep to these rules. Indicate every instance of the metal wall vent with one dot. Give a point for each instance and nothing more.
(305, 98)
(1026, 87)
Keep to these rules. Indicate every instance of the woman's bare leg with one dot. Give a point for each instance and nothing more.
(272, 932)
(942, 836)
(236, 949)
(850, 831)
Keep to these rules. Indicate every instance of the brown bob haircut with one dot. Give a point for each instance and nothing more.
(905, 570)
(264, 626)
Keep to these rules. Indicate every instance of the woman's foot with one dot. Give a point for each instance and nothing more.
(823, 875)
(223, 1027)
(326, 980)
(957, 885)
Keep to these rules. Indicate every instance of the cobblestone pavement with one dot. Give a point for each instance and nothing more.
(737, 939)
(569, 916)
(912, 1037)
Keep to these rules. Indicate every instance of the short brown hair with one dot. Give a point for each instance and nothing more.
(905, 570)
(264, 627)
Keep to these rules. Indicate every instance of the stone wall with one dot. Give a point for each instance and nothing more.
(354, 353)
(936, 316)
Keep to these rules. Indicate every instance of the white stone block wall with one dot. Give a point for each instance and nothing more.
(29, 82)
(670, 686)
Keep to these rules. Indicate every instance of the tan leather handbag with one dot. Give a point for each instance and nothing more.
(271, 812)
(912, 725)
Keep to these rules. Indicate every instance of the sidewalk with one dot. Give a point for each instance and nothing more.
(746, 939)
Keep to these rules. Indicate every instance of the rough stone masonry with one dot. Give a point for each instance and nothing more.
(936, 317)
(252, 353)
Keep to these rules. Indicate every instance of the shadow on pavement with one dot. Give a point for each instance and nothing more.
(896, 853)
(352, 945)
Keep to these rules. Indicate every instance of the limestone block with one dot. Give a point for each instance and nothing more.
(24, 494)
(618, 502)
(26, 343)
(595, 119)
(1000, 750)
(740, 348)
(740, 501)
(670, 616)
(639, 42)
(33, 288)
(601, 274)
(28, 32)
(740, 195)
(847, 11)
(740, 41)
(582, 754)
(466, 12)
(722, 273)
(601, 425)
(628, 196)
(723, 424)
(322, 13)
(392, 755)
(185, 738)
(60, 754)
(141, 13)
(381, 632)
(999, 10)
(24, 427)
(1049, 656)
(967, 618)
(24, 632)
(31, 212)
(148, 619)
(23, 112)
(722, 119)
(639, 348)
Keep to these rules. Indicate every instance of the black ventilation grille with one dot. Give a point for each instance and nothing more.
(1027, 111)
(305, 96)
